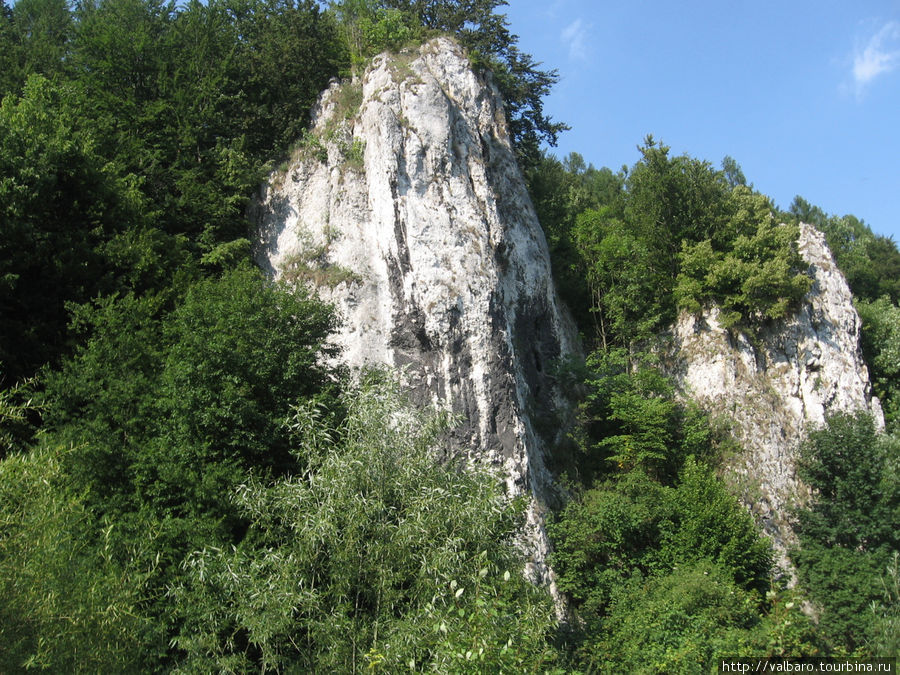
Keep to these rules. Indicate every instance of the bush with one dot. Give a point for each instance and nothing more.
(611, 533)
(849, 531)
(682, 622)
(634, 527)
(66, 605)
(374, 555)
(852, 469)
(753, 273)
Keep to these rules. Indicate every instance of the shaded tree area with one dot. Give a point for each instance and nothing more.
(133, 135)
(61, 203)
(849, 541)
(155, 422)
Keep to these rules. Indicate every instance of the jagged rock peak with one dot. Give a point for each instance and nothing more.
(779, 385)
(404, 206)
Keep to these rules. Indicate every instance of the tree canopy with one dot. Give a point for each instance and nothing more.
(667, 234)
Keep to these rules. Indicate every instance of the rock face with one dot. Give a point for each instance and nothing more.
(406, 209)
(780, 385)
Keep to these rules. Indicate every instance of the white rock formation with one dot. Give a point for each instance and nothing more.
(405, 207)
(780, 385)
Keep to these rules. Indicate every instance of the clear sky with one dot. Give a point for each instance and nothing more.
(804, 95)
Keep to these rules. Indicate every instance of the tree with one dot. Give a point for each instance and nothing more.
(849, 531)
(65, 603)
(168, 410)
(849, 464)
(608, 535)
(631, 249)
(733, 172)
(35, 38)
(673, 199)
(286, 53)
(712, 525)
(196, 99)
(9, 77)
(628, 418)
(369, 28)
(881, 348)
(752, 269)
(623, 274)
(806, 212)
(372, 555)
(218, 374)
(59, 200)
(242, 352)
(683, 622)
(631, 526)
(562, 192)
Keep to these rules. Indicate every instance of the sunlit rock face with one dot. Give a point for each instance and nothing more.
(779, 385)
(406, 209)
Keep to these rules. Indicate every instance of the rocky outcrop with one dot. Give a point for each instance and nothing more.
(779, 384)
(405, 208)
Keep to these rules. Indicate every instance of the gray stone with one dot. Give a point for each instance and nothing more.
(779, 386)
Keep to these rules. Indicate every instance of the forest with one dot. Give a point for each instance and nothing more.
(186, 487)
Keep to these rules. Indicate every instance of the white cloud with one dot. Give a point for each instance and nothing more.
(575, 36)
(879, 55)
(554, 10)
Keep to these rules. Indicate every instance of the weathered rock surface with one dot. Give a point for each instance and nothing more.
(780, 385)
(406, 209)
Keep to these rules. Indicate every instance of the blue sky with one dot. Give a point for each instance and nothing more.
(804, 95)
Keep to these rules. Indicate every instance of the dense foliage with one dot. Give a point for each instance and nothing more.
(670, 233)
(666, 570)
(850, 533)
(165, 413)
(65, 599)
(375, 556)
(131, 136)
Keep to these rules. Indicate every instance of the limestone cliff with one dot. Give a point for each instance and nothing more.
(405, 207)
(778, 386)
